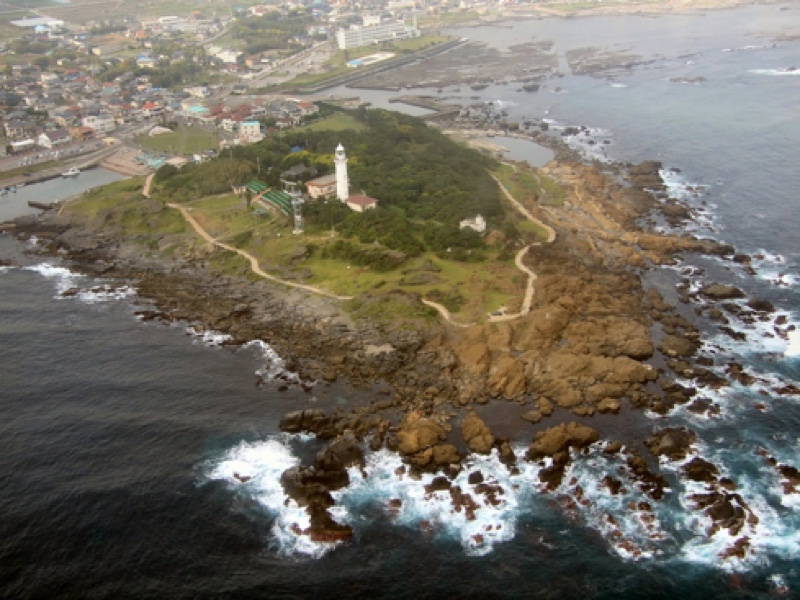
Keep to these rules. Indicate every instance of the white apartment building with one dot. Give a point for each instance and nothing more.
(359, 35)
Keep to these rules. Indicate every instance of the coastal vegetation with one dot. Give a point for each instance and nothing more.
(409, 248)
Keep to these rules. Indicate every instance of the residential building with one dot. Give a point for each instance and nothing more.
(250, 132)
(360, 35)
(102, 123)
(54, 138)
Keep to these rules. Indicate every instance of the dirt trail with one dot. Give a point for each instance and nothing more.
(255, 267)
(527, 300)
(253, 260)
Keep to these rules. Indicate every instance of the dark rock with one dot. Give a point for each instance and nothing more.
(439, 484)
(674, 443)
(475, 478)
(719, 291)
(613, 484)
(312, 420)
(345, 451)
(699, 469)
(762, 306)
(323, 528)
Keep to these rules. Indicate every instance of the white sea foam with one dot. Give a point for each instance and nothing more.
(274, 365)
(614, 84)
(771, 533)
(434, 512)
(634, 526)
(104, 293)
(631, 530)
(775, 72)
(74, 285)
(64, 278)
(793, 344)
(208, 337)
(255, 468)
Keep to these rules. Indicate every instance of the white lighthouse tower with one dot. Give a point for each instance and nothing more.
(342, 183)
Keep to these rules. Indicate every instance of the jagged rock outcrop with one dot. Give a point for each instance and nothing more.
(560, 439)
(477, 435)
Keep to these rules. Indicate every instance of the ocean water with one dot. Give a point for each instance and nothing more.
(119, 439)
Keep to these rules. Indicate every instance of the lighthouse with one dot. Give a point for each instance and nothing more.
(342, 183)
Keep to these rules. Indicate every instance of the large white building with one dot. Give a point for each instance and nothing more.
(360, 35)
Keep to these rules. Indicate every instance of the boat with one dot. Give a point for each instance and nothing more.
(73, 171)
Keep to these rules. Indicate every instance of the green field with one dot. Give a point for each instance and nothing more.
(184, 140)
(482, 287)
(530, 186)
(425, 41)
(335, 122)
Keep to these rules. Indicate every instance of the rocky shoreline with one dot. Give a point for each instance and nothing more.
(595, 341)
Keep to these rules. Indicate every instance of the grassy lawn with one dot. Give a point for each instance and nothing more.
(425, 41)
(184, 140)
(478, 288)
(121, 204)
(531, 186)
(472, 289)
(335, 122)
(224, 216)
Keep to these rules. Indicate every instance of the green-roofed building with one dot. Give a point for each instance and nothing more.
(280, 200)
(256, 187)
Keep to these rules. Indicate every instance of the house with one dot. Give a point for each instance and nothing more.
(151, 109)
(145, 62)
(477, 224)
(19, 128)
(250, 132)
(322, 186)
(361, 203)
(54, 138)
(102, 123)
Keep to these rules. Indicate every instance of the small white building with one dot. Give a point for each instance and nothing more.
(477, 224)
(361, 203)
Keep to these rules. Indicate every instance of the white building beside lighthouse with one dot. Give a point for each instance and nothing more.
(342, 182)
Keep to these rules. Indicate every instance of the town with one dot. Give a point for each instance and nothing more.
(78, 86)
